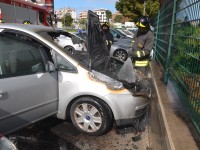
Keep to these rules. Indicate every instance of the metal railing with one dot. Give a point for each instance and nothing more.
(177, 49)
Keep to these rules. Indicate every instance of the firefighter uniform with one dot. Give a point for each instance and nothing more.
(142, 45)
(26, 22)
(1, 21)
(108, 36)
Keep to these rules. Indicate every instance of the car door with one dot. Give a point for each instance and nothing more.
(28, 91)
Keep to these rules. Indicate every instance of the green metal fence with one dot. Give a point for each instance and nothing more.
(177, 49)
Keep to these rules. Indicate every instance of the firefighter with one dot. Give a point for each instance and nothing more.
(1, 21)
(109, 37)
(142, 45)
(26, 22)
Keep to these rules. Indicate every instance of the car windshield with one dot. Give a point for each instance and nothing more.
(81, 35)
(121, 32)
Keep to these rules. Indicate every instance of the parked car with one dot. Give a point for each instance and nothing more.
(133, 30)
(70, 42)
(127, 33)
(118, 49)
(6, 144)
(38, 78)
(120, 37)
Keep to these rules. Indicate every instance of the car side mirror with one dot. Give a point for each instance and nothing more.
(50, 66)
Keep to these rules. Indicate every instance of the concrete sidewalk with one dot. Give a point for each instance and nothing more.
(175, 132)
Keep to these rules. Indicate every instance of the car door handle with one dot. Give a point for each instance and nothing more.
(2, 93)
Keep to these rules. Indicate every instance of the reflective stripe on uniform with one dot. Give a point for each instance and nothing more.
(143, 53)
(138, 54)
(140, 24)
(141, 63)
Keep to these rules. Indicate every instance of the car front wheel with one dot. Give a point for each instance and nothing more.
(90, 115)
(120, 54)
(69, 49)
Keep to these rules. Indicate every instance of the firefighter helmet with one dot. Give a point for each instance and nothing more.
(1, 21)
(26, 22)
(143, 22)
(105, 24)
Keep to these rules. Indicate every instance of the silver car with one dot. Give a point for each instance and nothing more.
(119, 49)
(38, 78)
(6, 144)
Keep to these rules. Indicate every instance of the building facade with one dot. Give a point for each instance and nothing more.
(124, 19)
(61, 12)
(102, 14)
(83, 15)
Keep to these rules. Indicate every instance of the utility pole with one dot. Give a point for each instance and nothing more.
(144, 11)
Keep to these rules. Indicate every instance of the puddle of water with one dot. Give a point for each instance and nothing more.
(40, 137)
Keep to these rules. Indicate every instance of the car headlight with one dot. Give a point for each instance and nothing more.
(110, 82)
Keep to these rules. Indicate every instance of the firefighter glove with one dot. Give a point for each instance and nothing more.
(108, 42)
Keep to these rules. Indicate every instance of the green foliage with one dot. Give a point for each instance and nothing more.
(108, 14)
(134, 8)
(82, 21)
(118, 18)
(67, 20)
(187, 52)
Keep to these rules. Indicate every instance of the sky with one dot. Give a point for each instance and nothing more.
(81, 5)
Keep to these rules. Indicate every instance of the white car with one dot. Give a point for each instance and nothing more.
(70, 42)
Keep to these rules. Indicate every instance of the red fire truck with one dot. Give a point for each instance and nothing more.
(18, 11)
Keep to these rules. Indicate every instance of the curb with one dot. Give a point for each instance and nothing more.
(176, 133)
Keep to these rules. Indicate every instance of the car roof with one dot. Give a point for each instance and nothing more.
(24, 27)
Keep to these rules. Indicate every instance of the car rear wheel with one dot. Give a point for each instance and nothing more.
(69, 49)
(90, 115)
(120, 54)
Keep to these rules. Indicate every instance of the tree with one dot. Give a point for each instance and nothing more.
(134, 8)
(82, 21)
(118, 18)
(108, 15)
(67, 20)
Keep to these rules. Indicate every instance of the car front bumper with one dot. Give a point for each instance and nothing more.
(127, 109)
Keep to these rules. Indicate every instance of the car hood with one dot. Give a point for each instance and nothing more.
(97, 50)
(98, 55)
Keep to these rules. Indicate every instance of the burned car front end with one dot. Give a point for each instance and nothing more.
(126, 105)
(118, 75)
(103, 90)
